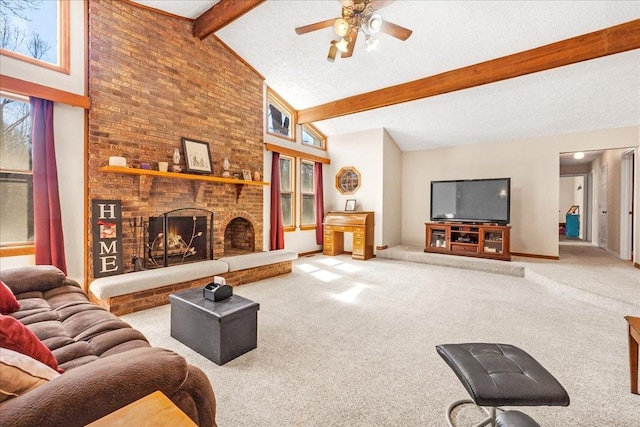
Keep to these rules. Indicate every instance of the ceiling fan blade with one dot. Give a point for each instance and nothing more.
(379, 4)
(395, 30)
(351, 38)
(313, 27)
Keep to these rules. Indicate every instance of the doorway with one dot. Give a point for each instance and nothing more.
(573, 210)
(609, 195)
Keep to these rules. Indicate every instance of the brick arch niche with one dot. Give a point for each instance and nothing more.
(239, 237)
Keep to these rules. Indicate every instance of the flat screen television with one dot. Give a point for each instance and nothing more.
(472, 200)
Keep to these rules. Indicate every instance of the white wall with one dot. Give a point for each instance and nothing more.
(391, 218)
(363, 151)
(533, 166)
(567, 191)
(69, 138)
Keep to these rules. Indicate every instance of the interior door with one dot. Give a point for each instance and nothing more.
(603, 203)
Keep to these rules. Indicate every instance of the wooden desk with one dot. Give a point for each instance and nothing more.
(634, 340)
(152, 410)
(358, 223)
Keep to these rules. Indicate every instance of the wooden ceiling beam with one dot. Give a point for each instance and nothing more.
(609, 41)
(220, 15)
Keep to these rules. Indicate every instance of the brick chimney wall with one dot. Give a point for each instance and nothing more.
(151, 82)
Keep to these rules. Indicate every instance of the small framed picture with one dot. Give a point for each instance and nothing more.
(350, 205)
(246, 174)
(197, 156)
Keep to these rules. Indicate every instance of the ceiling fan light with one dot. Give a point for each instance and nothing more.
(342, 45)
(371, 42)
(341, 27)
(333, 50)
(374, 24)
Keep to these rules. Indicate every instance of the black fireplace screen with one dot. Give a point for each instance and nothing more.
(179, 236)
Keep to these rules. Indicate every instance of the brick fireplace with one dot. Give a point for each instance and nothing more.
(239, 237)
(150, 89)
(177, 237)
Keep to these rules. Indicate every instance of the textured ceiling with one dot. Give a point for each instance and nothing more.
(602, 93)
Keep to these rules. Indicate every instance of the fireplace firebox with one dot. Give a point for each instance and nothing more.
(179, 236)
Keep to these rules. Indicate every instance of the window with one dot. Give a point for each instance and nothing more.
(36, 31)
(290, 185)
(348, 180)
(16, 183)
(307, 206)
(312, 137)
(281, 119)
(287, 189)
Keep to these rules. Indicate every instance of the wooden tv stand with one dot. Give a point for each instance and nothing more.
(476, 240)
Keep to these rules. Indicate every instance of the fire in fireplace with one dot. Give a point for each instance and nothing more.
(179, 236)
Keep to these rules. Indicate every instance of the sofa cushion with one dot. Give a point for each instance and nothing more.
(17, 337)
(20, 373)
(8, 301)
(32, 278)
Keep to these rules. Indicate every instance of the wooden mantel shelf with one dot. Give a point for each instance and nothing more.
(198, 180)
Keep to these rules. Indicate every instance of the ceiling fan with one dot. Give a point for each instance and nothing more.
(357, 15)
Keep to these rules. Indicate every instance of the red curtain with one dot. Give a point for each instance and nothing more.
(277, 223)
(319, 202)
(47, 224)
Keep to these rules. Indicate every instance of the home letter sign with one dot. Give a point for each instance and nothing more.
(107, 237)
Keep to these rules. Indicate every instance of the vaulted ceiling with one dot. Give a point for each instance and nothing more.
(452, 101)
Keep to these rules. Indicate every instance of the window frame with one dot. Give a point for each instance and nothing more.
(314, 132)
(293, 181)
(17, 248)
(274, 99)
(64, 61)
(302, 194)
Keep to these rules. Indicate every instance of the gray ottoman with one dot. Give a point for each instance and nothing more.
(501, 375)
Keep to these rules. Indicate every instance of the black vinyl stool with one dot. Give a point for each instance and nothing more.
(498, 375)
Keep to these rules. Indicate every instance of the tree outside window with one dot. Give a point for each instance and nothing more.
(36, 31)
(16, 183)
(287, 187)
(307, 216)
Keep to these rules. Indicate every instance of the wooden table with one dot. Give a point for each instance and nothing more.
(154, 409)
(634, 340)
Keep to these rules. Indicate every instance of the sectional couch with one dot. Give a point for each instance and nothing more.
(86, 362)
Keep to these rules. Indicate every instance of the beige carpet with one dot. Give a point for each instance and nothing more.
(351, 343)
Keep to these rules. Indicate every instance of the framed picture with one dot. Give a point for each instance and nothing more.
(246, 174)
(350, 205)
(197, 156)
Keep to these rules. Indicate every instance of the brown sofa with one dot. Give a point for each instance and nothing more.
(107, 364)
